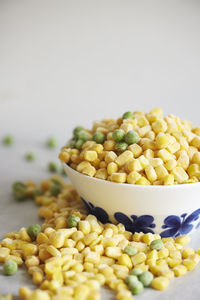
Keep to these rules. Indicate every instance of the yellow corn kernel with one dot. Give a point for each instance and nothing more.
(100, 278)
(53, 251)
(32, 261)
(80, 246)
(90, 237)
(42, 238)
(38, 295)
(133, 177)
(120, 271)
(156, 111)
(37, 277)
(164, 155)
(169, 179)
(57, 239)
(155, 162)
(148, 153)
(107, 260)
(77, 236)
(110, 157)
(173, 262)
(92, 257)
(84, 227)
(134, 165)
(101, 173)
(142, 121)
(160, 283)
(69, 243)
(112, 167)
(150, 173)
(118, 177)
(146, 143)
(88, 267)
(187, 252)
(98, 148)
(24, 235)
(179, 174)
(138, 258)
(168, 274)
(143, 181)
(153, 254)
(113, 252)
(159, 126)
(142, 131)
(123, 158)
(64, 156)
(82, 165)
(162, 140)
(4, 252)
(143, 161)
(196, 158)
(191, 150)
(89, 171)
(53, 264)
(137, 237)
(183, 240)
(193, 170)
(109, 145)
(90, 155)
(8, 243)
(135, 149)
(14, 258)
(106, 271)
(161, 172)
(24, 292)
(29, 249)
(163, 253)
(196, 142)
(125, 260)
(109, 242)
(183, 160)
(191, 262)
(158, 270)
(179, 270)
(124, 295)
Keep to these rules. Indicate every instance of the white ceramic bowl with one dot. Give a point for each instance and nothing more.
(167, 210)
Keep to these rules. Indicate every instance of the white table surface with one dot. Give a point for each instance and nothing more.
(15, 214)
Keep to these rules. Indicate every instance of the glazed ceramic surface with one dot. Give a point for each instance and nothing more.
(167, 210)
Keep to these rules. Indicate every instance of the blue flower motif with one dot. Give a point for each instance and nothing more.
(98, 212)
(179, 225)
(136, 224)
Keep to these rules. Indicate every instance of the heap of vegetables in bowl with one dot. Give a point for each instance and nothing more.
(137, 148)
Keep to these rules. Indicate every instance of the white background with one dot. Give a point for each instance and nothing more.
(64, 63)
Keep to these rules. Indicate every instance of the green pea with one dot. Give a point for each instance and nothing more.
(72, 144)
(52, 166)
(77, 129)
(37, 192)
(98, 137)
(131, 137)
(130, 250)
(8, 140)
(118, 135)
(19, 190)
(128, 115)
(10, 267)
(33, 231)
(55, 190)
(146, 278)
(51, 143)
(130, 280)
(82, 135)
(121, 146)
(30, 156)
(72, 221)
(156, 245)
(79, 144)
(56, 181)
(137, 288)
(63, 173)
(136, 271)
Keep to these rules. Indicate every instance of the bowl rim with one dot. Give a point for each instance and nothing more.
(137, 186)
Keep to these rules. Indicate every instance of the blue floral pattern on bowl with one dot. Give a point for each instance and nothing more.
(98, 212)
(134, 224)
(179, 225)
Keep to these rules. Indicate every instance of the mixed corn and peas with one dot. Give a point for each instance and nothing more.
(72, 254)
(138, 148)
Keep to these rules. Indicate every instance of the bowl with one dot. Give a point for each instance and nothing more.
(166, 210)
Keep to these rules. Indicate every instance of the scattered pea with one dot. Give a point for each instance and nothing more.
(128, 115)
(137, 288)
(33, 231)
(79, 144)
(52, 166)
(136, 271)
(63, 173)
(37, 192)
(156, 244)
(82, 135)
(118, 135)
(55, 190)
(146, 278)
(130, 280)
(121, 146)
(19, 190)
(30, 156)
(98, 137)
(51, 143)
(8, 140)
(77, 129)
(131, 137)
(72, 221)
(10, 267)
(130, 250)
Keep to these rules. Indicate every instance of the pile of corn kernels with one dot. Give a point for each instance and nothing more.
(73, 263)
(138, 148)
